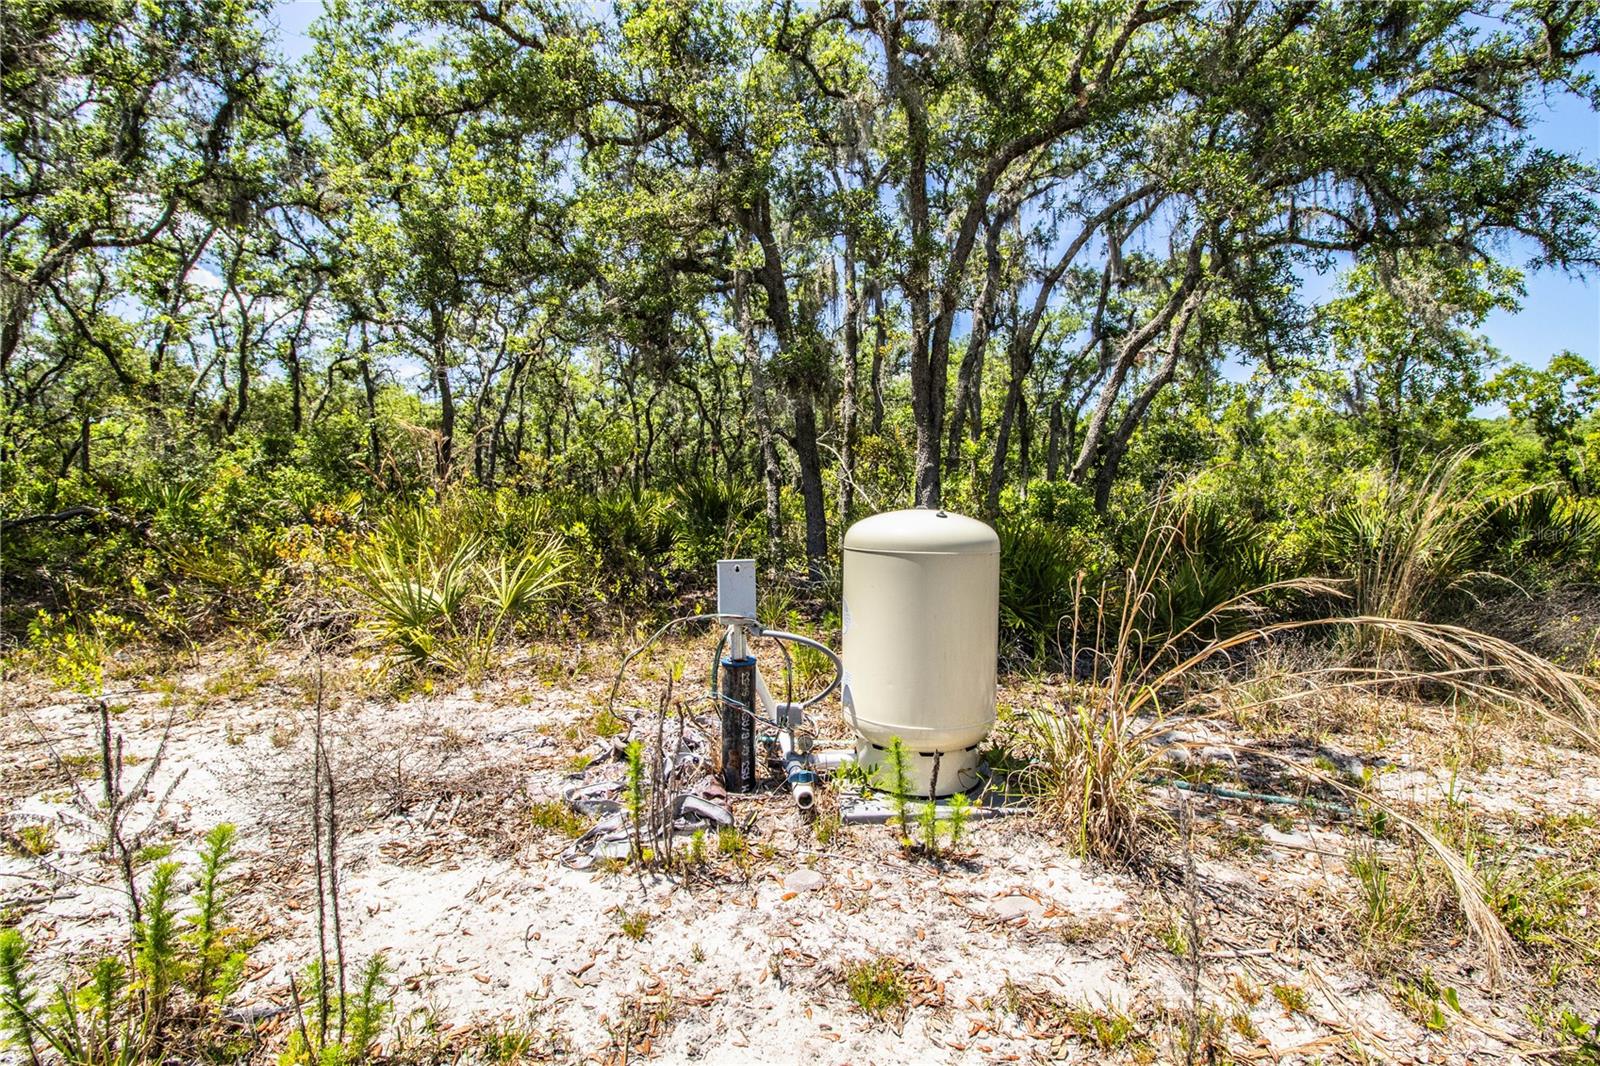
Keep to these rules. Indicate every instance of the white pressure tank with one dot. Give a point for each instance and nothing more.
(921, 634)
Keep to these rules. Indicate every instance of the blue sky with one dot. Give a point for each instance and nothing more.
(1560, 312)
(293, 19)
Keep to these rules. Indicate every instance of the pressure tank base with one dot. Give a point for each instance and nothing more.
(958, 770)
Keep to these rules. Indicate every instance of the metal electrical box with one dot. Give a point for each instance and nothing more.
(736, 588)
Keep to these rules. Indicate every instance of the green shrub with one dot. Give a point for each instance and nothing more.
(1407, 544)
(170, 1008)
(440, 584)
(1538, 532)
(877, 986)
(627, 540)
(1041, 568)
(1062, 504)
(715, 519)
(1216, 556)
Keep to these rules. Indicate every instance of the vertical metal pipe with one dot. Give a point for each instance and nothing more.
(738, 723)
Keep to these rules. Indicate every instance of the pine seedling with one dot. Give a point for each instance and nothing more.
(928, 821)
(229, 976)
(372, 1006)
(209, 922)
(103, 995)
(960, 810)
(900, 785)
(156, 945)
(633, 795)
(16, 995)
(730, 841)
(697, 848)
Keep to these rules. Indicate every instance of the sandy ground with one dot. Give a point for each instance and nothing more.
(1009, 949)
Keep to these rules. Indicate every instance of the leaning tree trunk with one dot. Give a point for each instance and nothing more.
(1021, 362)
(805, 449)
(772, 469)
(968, 405)
(444, 449)
(1128, 352)
(847, 396)
(757, 221)
(1002, 445)
(1117, 443)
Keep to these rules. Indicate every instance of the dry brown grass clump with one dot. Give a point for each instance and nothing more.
(1094, 751)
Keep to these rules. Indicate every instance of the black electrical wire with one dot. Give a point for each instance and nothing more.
(716, 695)
(788, 668)
(716, 660)
(781, 638)
(616, 682)
(838, 666)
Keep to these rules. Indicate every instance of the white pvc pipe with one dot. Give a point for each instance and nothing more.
(829, 759)
(796, 768)
(764, 695)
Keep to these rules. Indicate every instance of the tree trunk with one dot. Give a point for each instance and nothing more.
(1021, 362)
(296, 387)
(1052, 452)
(370, 387)
(445, 448)
(1024, 443)
(805, 449)
(772, 470)
(927, 385)
(880, 346)
(498, 433)
(630, 384)
(242, 389)
(1127, 354)
(79, 450)
(1117, 444)
(649, 436)
(968, 403)
(1002, 445)
(757, 221)
(847, 397)
(514, 453)
(296, 370)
